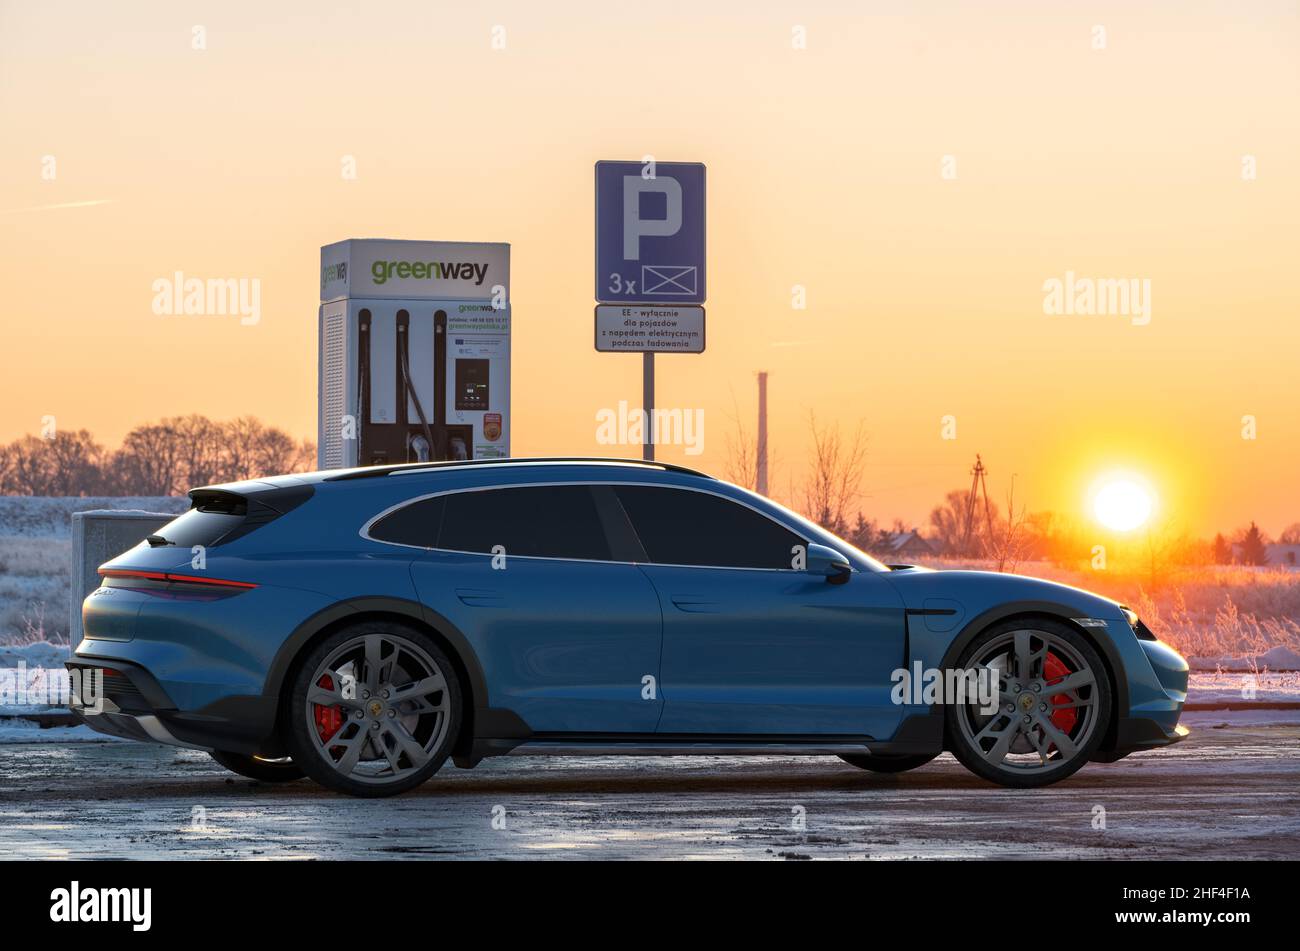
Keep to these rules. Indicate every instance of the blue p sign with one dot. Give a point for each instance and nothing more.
(634, 226)
(650, 232)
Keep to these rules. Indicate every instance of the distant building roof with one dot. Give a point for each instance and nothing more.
(1277, 553)
(908, 543)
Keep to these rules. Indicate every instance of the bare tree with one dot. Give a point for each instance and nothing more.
(304, 459)
(149, 462)
(28, 466)
(67, 463)
(740, 464)
(835, 479)
(198, 450)
(948, 522)
(1006, 539)
(164, 458)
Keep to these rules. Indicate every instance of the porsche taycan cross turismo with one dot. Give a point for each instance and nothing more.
(360, 627)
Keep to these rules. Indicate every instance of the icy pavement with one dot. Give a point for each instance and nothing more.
(1230, 789)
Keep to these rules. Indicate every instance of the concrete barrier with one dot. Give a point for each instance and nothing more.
(98, 536)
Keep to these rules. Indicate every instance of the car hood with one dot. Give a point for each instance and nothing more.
(978, 591)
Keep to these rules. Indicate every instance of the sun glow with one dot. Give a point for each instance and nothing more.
(1122, 504)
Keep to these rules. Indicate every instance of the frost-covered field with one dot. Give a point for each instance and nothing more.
(35, 556)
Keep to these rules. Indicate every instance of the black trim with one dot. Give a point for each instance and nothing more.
(1134, 734)
(145, 683)
(440, 446)
(929, 612)
(739, 739)
(624, 543)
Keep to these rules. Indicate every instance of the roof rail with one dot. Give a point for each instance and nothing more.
(369, 472)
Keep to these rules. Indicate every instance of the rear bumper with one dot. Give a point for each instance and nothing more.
(134, 706)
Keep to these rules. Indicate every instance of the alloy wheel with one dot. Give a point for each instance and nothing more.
(378, 708)
(1049, 704)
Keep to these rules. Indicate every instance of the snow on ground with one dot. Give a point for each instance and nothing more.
(32, 678)
(36, 555)
(1237, 718)
(1243, 689)
(1276, 658)
(15, 730)
(35, 654)
(51, 517)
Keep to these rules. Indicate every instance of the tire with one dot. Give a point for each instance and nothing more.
(1064, 728)
(392, 712)
(263, 770)
(897, 763)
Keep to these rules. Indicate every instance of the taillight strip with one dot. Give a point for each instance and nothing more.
(170, 576)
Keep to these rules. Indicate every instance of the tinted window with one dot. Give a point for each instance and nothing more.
(414, 524)
(200, 527)
(680, 527)
(553, 521)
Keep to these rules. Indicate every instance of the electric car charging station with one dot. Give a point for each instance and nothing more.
(414, 352)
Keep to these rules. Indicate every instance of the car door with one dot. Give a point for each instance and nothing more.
(750, 644)
(567, 637)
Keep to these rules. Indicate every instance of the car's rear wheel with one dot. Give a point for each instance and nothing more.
(885, 763)
(1054, 696)
(254, 767)
(374, 709)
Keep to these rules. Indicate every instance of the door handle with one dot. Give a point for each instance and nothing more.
(692, 604)
(479, 597)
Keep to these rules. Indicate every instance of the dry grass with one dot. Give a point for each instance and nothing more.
(34, 589)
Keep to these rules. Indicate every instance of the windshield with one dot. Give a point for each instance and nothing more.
(821, 536)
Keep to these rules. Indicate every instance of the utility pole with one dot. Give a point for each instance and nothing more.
(977, 484)
(761, 468)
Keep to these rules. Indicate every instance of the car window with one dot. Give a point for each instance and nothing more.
(681, 527)
(550, 521)
(414, 524)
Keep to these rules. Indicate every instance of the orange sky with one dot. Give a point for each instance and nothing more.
(925, 295)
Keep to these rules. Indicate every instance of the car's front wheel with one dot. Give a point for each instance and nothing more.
(373, 710)
(1053, 704)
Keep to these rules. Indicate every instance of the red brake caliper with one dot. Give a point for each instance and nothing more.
(329, 720)
(1054, 670)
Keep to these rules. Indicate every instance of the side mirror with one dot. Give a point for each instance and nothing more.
(829, 564)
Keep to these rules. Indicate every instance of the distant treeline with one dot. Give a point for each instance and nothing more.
(168, 457)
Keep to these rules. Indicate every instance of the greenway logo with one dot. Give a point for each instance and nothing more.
(333, 272)
(383, 271)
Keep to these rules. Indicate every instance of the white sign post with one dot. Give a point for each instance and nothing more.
(649, 328)
(650, 259)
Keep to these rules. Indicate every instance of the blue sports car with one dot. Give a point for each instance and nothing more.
(362, 626)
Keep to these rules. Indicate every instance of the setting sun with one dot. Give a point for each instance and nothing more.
(1122, 504)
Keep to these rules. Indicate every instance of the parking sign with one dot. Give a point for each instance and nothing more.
(650, 232)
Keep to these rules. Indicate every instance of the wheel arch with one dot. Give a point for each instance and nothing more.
(345, 613)
(1061, 613)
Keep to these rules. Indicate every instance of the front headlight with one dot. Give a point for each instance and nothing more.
(1143, 632)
